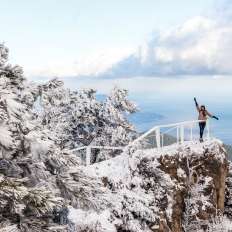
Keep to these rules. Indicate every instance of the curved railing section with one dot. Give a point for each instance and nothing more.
(88, 151)
(157, 137)
(184, 131)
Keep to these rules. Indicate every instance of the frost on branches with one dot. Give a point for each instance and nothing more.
(77, 118)
(36, 123)
(29, 160)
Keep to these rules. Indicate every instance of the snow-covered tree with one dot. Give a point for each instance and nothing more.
(54, 104)
(72, 116)
(36, 181)
(30, 162)
(77, 118)
(118, 131)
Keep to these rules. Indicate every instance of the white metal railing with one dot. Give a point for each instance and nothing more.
(179, 129)
(89, 151)
(180, 132)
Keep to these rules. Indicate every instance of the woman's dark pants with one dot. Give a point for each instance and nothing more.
(202, 127)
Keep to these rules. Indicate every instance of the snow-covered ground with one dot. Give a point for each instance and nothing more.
(136, 191)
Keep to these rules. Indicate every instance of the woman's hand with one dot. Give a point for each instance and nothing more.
(215, 117)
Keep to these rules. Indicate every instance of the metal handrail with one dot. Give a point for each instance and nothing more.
(180, 126)
(89, 149)
(157, 128)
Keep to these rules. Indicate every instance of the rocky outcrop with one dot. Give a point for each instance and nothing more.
(179, 188)
(200, 176)
(228, 194)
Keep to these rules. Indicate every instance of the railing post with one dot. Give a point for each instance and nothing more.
(208, 129)
(182, 133)
(191, 132)
(158, 137)
(88, 155)
(162, 140)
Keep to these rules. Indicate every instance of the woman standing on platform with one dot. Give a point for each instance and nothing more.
(203, 115)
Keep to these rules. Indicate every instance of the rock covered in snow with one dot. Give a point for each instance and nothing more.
(228, 194)
(179, 188)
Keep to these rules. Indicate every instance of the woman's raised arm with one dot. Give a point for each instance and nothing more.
(197, 106)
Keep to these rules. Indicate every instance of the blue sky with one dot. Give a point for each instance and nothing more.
(58, 37)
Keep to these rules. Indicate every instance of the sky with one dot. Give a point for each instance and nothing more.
(85, 37)
(142, 45)
(165, 52)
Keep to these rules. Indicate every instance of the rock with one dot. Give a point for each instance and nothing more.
(178, 188)
(206, 173)
(228, 193)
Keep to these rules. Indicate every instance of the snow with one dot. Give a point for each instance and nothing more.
(118, 172)
(125, 183)
(90, 220)
(10, 228)
(14, 107)
(40, 177)
(220, 224)
(38, 146)
(181, 173)
(5, 137)
(116, 168)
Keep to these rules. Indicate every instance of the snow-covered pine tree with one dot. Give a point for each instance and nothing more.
(77, 118)
(54, 111)
(117, 131)
(72, 116)
(30, 162)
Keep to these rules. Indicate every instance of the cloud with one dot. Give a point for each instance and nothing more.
(201, 46)
(86, 65)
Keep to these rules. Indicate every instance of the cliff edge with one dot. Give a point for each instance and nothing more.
(179, 188)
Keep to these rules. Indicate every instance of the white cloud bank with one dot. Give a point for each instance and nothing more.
(88, 65)
(201, 46)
